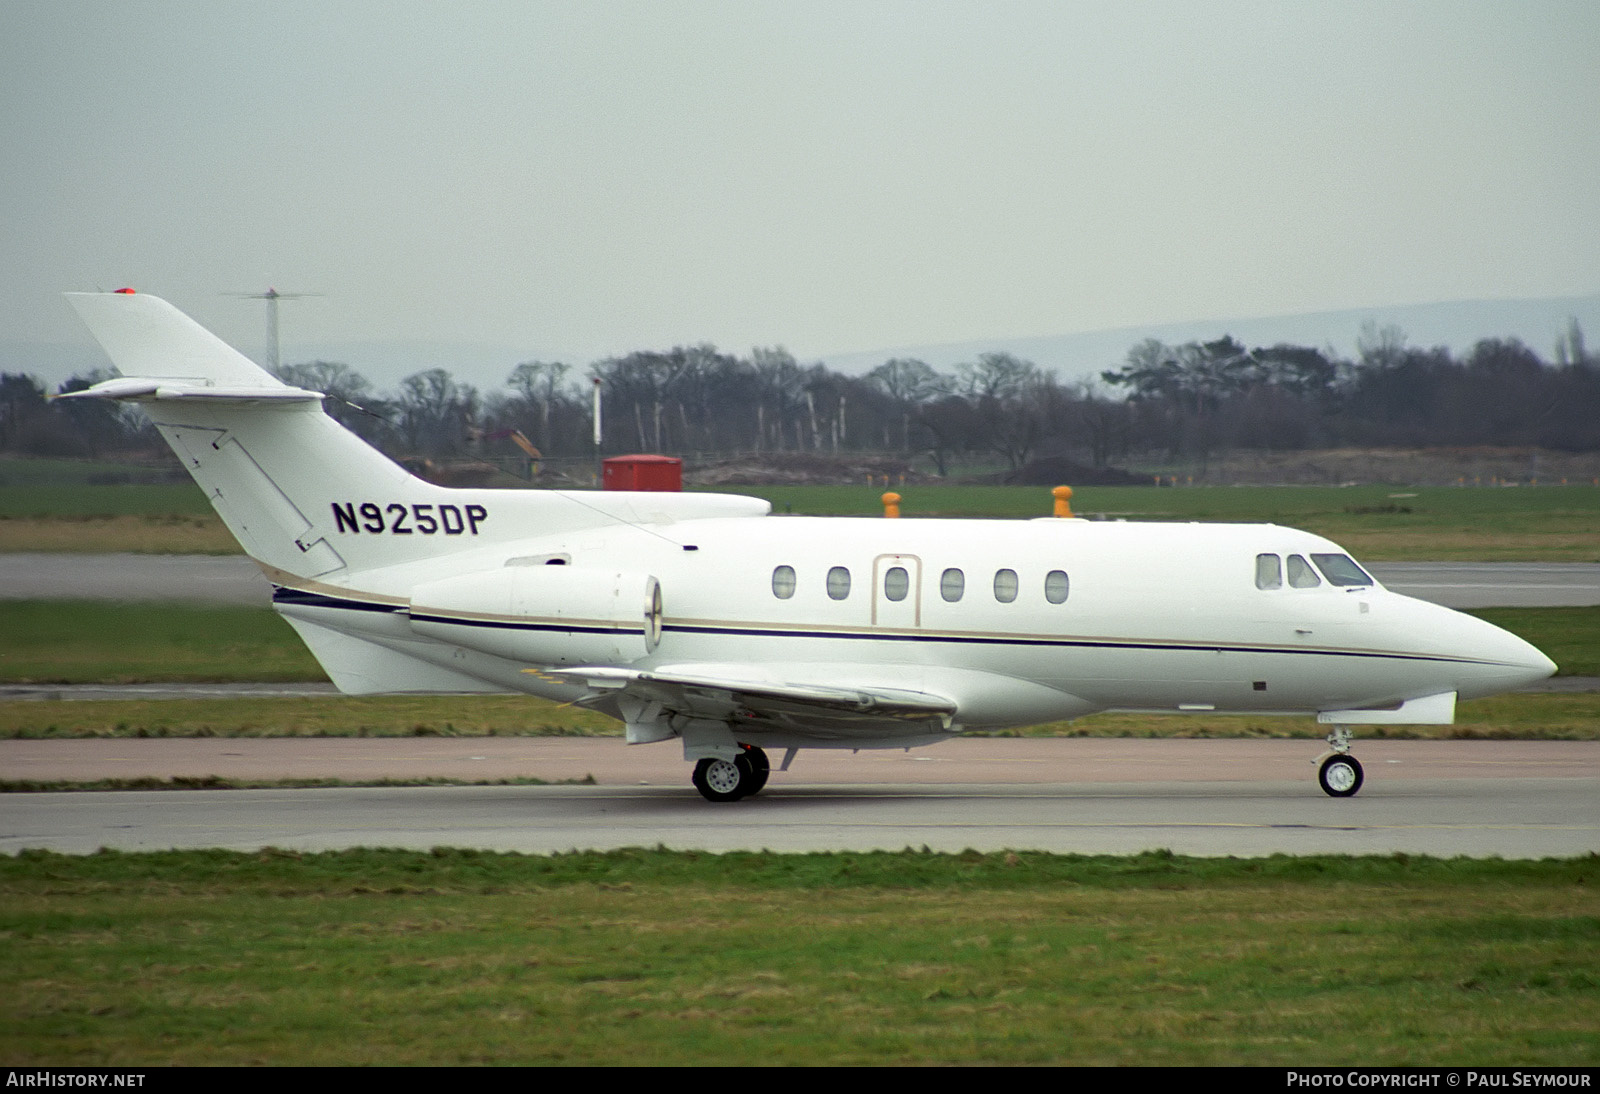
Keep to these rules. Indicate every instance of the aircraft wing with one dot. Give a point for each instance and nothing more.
(841, 708)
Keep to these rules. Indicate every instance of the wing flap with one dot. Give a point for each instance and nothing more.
(721, 693)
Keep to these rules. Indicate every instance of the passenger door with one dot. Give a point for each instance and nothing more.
(897, 591)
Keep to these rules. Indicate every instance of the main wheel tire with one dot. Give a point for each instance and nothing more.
(722, 780)
(1340, 776)
(760, 768)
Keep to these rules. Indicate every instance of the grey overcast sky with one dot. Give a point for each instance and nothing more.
(589, 178)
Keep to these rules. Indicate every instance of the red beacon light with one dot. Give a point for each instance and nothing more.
(125, 292)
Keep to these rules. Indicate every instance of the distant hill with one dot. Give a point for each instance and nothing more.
(1457, 324)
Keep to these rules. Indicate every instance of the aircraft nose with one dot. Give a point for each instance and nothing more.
(1538, 666)
(1503, 662)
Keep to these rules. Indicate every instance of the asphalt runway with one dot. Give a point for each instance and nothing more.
(1494, 584)
(1228, 797)
(234, 579)
(208, 579)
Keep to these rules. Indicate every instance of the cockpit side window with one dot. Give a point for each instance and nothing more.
(1341, 570)
(1269, 574)
(1301, 575)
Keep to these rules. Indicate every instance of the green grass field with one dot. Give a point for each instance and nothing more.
(1362, 507)
(63, 473)
(84, 641)
(638, 957)
(1380, 523)
(63, 506)
(147, 500)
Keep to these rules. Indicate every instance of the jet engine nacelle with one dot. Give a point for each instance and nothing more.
(544, 615)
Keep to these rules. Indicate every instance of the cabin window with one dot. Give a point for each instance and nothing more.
(896, 583)
(1341, 570)
(1269, 574)
(1301, 575)
(1005, 586)
(783, 582)
(839, 582)
(952, 583)
(1055, 586)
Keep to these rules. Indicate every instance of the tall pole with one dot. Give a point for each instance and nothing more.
(598, 433)
(272, 296)
(272, 329)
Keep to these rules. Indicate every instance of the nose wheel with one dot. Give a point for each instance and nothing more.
(1340, 776)
(729, 780)
(1340, 773)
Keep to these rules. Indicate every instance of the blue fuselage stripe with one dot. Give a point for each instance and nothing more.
(319, 600)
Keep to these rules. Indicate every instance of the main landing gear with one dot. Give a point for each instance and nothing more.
(729, 780)
(1340, 774)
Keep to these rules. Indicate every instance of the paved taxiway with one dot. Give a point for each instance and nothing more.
(1494, 584)
(1526, 799)
(235, 579)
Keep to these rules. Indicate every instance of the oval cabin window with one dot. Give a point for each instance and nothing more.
(783, 582)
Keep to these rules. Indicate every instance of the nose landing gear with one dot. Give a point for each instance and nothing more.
(1340, 773)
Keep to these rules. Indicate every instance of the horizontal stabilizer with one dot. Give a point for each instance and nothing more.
(140, 389)
(147, 337)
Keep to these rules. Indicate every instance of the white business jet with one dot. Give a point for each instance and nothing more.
(701, 617)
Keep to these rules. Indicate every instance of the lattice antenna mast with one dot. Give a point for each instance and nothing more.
(272, 296)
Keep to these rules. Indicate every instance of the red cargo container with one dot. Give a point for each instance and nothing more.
(642, 473)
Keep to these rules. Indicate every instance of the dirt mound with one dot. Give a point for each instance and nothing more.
(799, 469)
(1060, 471)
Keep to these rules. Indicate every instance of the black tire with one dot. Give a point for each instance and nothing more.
(1340, 776)
(722, 780)
(760, 768)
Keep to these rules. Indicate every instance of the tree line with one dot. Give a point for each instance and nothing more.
(1164, 402)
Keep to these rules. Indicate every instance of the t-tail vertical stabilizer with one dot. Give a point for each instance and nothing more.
(270, 461)
(305, 496)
